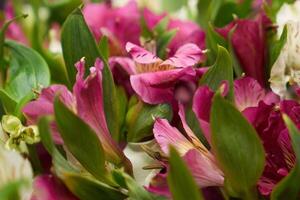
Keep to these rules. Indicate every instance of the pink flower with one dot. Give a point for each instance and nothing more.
(157, 81)
(187, 31)
(263, 110)
(120, 25)
(198, 158)
(86, 101)
(247, 92)
(249, 43)
(48, 187)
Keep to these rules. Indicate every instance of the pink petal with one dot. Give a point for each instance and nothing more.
(167, 135)
(89, 100)
(204, 168)
(248, 93)
(145, 61)
(47, 187)
(187, 32)
(44, 106)
(187, 55)
(158, 87)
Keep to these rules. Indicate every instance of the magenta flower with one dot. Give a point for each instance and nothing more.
(157, 81)
(187, 31)
(247, 91)
(48, 187)
(120, 25)
(249, 43)
(263, 110)
(267, 120)
(86, 101)
(198, 158)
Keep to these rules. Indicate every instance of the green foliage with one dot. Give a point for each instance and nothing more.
(180, 180)
(77, 42)
(237, 147)
(276, 46)
(140, 119)
(220, 71)
(80, 140)
(88, 189)
(11, 190)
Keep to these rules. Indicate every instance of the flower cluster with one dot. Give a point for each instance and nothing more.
(150, 100)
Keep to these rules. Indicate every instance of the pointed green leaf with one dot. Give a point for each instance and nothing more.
(237, 147)
(140, 119)
(288, 187)
(80, 140)
(60, 163)
(275, 47)
(27, 71)
(88, 189)
(180, 180)
(77, 42)
(220, 71)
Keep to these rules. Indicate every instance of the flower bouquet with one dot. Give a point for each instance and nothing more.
(149, 100)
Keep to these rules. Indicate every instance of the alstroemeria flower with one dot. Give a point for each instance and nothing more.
(187, 31)
(86, 101)
(249, 43)
(120, 24)
(15, 168)
(247, 92)
(286, 68)
(261, 110)
(287, 13)
(48, 187)
(157, 81)
(280, 158)
(198, 158)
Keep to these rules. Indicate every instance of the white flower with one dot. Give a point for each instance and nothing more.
(288, 12)
(14, 167)
(139, 159)
(286, 68)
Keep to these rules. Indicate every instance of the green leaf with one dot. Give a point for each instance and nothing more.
(162, 26)
(80, 140)
(2, 38)
(207, 11)
(140, 119)
(60, 9)
(213, 40)
(88, 189)
(135, 191)
(110, 100)
(193, 123)
(11, 190)
(27, 71)
(275, 47)
(288, 187)
(220, 71)
(237, 147)
(77, 42)
(103, 48)
(163, 40)
(180, 180)
(8, 103)
(111, 103)
(60, 163)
